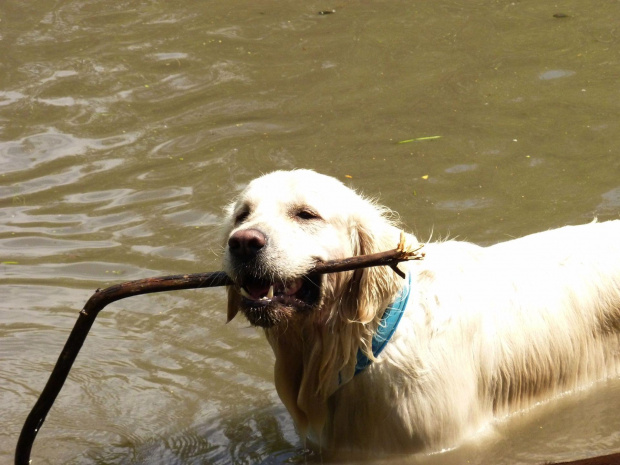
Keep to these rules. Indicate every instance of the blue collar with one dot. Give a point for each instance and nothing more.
(387, 326)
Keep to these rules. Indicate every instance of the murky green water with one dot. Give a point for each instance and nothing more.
(126, 126)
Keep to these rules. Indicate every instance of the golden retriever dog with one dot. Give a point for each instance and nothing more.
(369, 361)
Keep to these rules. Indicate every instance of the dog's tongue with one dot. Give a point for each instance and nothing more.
(257, 290)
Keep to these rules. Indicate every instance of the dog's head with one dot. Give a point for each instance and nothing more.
(279, 226)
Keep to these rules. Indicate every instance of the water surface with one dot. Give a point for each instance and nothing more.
(125, 128)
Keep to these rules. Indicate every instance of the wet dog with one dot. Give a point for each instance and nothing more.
(369, 361)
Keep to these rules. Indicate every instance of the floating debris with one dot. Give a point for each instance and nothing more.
(418, 139)
(555, 74)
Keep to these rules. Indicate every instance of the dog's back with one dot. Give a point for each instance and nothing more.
(489, 331)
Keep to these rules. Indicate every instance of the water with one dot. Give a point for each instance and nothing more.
(125, 128)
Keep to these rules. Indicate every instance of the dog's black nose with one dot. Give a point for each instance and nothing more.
(246, 243)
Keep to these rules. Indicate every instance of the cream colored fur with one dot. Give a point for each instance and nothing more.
(487, 330)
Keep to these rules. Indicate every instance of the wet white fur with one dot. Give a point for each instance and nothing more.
(487, 330)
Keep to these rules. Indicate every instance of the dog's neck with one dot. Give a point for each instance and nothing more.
(305, 378)
(387, 327)
(316, 355)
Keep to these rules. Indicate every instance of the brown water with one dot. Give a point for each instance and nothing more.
(126, 126)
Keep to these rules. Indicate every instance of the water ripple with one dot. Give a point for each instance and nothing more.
(611, 201)
(32, 246)
(44, 180)
(31, 151)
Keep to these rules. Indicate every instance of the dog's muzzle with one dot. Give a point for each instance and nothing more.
(267, 299)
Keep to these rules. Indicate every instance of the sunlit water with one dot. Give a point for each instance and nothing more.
(125, 127)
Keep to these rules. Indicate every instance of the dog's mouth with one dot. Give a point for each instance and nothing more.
(266, 303)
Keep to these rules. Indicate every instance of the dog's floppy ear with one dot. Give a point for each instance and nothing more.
(234, 299)
(372, 232)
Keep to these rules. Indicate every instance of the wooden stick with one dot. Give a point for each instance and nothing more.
(103, 297)
(390, 258)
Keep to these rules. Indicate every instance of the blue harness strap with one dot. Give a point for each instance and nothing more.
(387, 326)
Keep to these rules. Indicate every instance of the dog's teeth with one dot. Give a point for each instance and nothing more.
(244, 293)
(270, 292)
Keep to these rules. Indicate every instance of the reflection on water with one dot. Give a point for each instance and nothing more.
(611, 201)
(125, 129)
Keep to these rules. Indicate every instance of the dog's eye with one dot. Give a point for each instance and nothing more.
(242, 216)
(305, 214)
